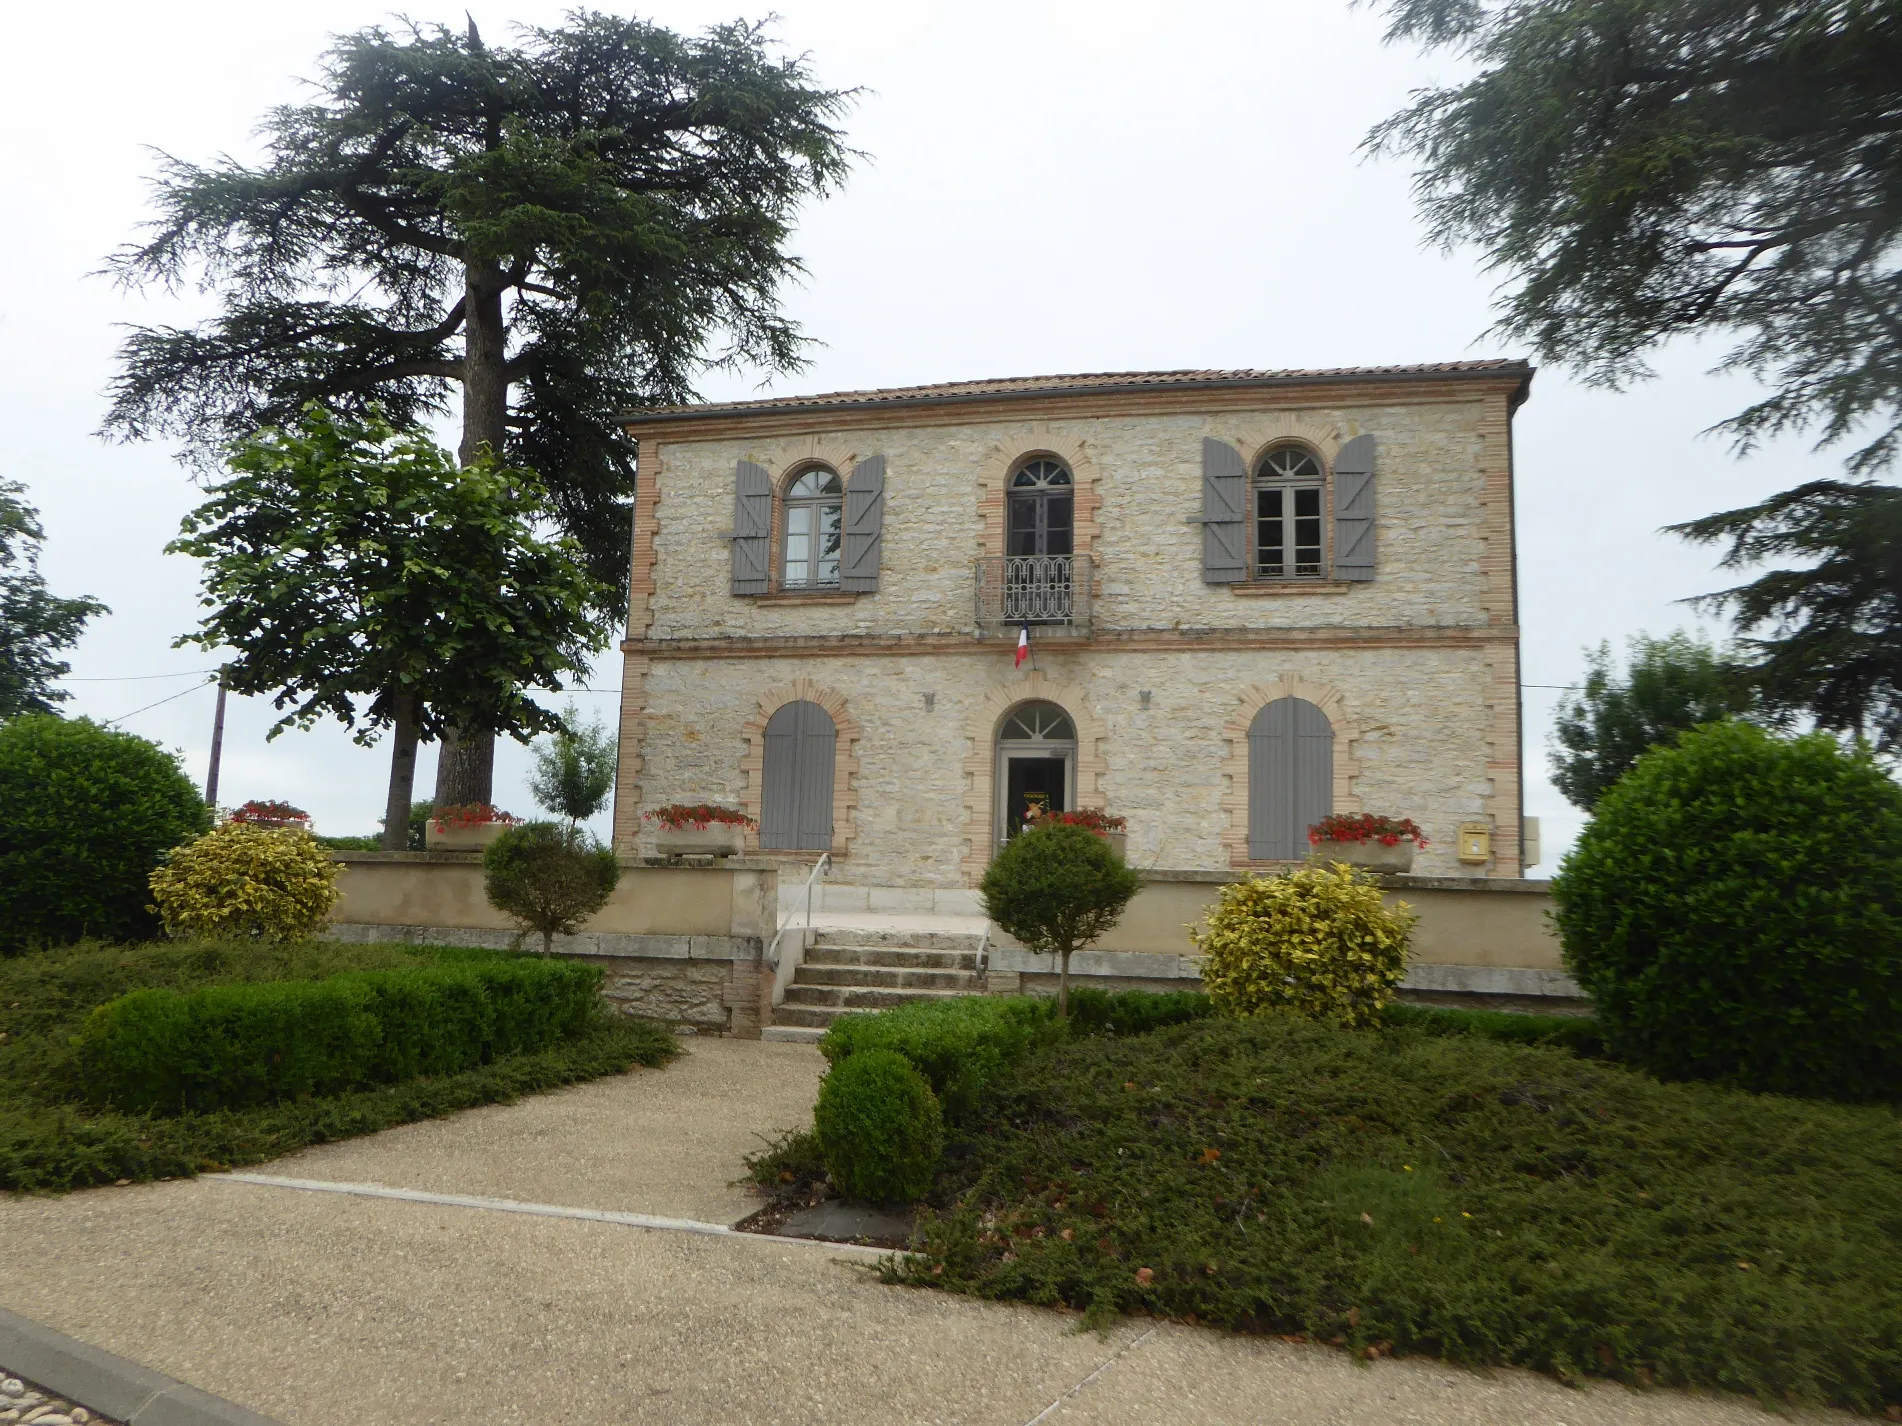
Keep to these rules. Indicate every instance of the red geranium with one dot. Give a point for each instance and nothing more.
(260, 812)
(699, 815)
(472, 814)
(1093, 818)
(1366, 827)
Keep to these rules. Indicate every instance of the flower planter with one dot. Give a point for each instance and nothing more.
(716, 839)
(1118, 843)
(473, 838)
(1369, 855)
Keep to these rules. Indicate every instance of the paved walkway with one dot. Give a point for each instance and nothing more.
(323, 1308)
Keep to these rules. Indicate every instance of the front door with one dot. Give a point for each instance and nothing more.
(1036, 754)
(1033, 780)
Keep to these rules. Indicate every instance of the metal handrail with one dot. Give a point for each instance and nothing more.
(1033, 589)
(782, 973)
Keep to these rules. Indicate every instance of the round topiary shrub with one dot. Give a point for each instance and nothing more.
(1318, 941)
(548, 878)
(879, 1127)
(86, 813)
(242, 879)
(1057, 888)
(1734, 912)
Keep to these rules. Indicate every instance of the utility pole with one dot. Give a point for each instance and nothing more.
(217, 744)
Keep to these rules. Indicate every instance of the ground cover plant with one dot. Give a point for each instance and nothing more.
(1394, 1190)
(51, 1138)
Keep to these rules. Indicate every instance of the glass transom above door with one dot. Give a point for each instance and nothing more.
(1038, 723)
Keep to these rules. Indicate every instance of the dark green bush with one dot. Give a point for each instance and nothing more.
(1133, 1012)
(959, 1044)
(1577, 1033)
(880, 1128)
(1056, 888)
(548, 877)
(1734, 911)
(231, 1046)
(85, 815)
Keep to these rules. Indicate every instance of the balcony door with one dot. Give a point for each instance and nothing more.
(1039, 538)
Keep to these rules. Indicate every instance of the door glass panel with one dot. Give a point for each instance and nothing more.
(1023, 525)
(1056, 519)
(1307, 530)
(1032, 782)
(1270, 539)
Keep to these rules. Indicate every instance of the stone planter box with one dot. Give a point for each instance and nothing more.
(717, 839)
(1369, 855)
(1118, 843)
(462, 839)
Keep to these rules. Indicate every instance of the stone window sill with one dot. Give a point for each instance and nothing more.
(1258, 588)
(797, 597)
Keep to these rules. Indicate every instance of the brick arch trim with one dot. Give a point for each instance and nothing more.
(1257, 435)
(1251, 701)
(980, 759)
(845, 762)
(1001, 462)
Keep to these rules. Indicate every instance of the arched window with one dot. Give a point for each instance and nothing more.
(1290, 778)
(796, 786)
(810, 539)
(1036, 764)
(1290, 509)
(1041, 514)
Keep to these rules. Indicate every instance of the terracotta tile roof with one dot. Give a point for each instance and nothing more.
(1017, 386)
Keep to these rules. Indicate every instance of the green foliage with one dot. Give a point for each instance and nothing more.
(879, 1127)
(1826, 636)
(241, 880)
(1577, 1033)
(960, 1044)
(1134, 1012)
(565, 228)
(1521, 1206)
(1673, 684)
(235, 1046)
(35, 624)
(574, 770)
(790, 1164)
(85, 815)
(370, 843)
(1317, 941)
(1657, 168)
(1056, 888)
(1734, 911)
(549, 878)
(52, 1139)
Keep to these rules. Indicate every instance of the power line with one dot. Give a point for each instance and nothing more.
(136, 711)
(132, 677)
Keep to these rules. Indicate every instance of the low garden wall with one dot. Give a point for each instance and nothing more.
(1475, 937)
(683, 943)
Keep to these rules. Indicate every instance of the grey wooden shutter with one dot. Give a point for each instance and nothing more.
(864, 526)
(1224, 523)
(1290, 778)
(796, 787)
(752, 529)
(1354, 510)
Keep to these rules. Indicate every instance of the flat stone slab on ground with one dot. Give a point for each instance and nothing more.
(836, 1221)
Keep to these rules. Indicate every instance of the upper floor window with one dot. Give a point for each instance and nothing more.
(815, 507)
(1289, 514)
(1041, 512)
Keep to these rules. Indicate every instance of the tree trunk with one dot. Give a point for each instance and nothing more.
(548, 943)
(465, 773)
(1063, 986)
(402, 774)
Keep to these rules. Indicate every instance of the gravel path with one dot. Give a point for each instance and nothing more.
(24, 1402)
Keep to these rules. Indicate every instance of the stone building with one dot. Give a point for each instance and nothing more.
(1251, 598)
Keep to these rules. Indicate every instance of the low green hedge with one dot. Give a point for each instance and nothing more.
(1577, 1033)
(879, 1127)
(1134, 1012)
(231, 1046)
(960, 1044)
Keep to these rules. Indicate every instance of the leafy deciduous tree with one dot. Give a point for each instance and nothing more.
(35, 624)
(562, 229)
(574, 770)
(361, 574)
(1672, 684)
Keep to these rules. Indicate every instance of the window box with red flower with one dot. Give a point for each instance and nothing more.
(1366, 840)
(469, 828)
(698, 829)
(278, 816)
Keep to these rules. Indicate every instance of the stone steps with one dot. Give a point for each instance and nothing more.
(866, 968)
(897, 957)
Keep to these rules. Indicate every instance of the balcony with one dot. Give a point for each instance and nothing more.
(1049, 592)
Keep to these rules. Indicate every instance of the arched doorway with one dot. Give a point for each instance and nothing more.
(796, 784)
(1290, 778)
(1036, 764)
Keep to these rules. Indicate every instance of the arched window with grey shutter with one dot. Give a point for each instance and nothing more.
(796, 792)
(1290, 778)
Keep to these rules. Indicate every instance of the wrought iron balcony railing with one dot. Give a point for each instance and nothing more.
(1040, 590)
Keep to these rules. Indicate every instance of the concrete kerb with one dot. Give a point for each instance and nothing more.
(111, 1385)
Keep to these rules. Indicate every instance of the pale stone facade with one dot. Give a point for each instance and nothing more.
(1416, 669)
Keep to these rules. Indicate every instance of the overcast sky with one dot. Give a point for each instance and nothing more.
(1047, 188)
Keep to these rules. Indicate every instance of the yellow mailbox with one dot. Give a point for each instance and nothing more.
(1476, 843)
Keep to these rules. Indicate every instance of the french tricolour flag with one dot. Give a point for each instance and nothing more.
(1023, 646)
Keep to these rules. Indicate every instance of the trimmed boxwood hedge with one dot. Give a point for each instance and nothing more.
(959, 1044)
(232, 1046)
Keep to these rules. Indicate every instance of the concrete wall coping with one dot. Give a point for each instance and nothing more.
(1524, 886)
(472, 858)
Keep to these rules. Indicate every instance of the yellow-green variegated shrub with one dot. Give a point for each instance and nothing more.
(1317, 941)
(273, 884)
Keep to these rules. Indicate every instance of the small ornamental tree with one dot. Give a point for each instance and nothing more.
(1057, 888)
(86, 813)
(1318, 941)
(574, 770)
(548, 879)
(271, 883)
(1734, 911)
